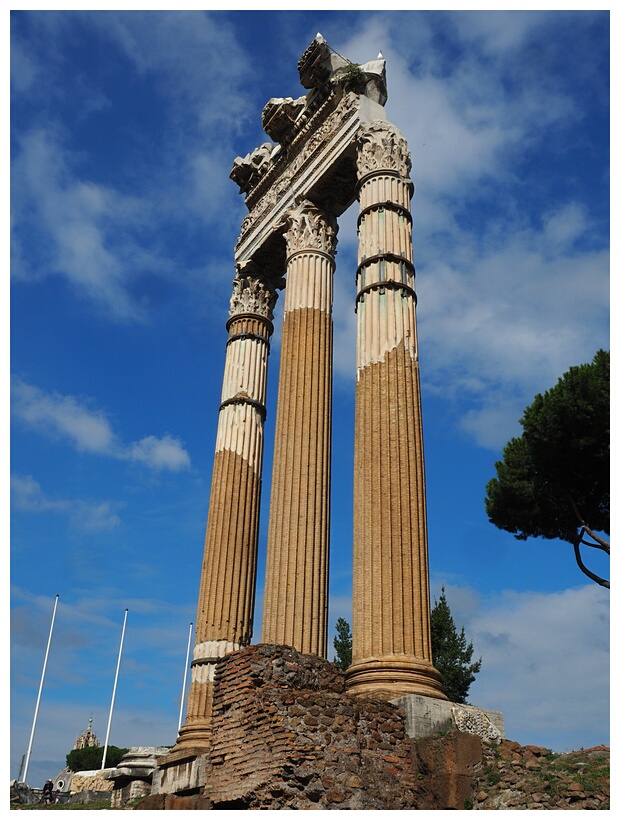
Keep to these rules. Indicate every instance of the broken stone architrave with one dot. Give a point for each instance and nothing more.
(279, 116)
(246, 169)
(320, 65)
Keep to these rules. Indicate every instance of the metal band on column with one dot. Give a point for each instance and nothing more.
(296, 581)
(227, 588)
(391, 612)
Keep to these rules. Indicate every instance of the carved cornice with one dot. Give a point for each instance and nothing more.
(382, 147)
(315, 157)
(283, 175)
(313, 130)
(255, 172)
(310, 228)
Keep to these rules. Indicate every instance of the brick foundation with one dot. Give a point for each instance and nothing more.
(287, 736)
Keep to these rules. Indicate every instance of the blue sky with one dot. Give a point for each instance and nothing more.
(124, 128)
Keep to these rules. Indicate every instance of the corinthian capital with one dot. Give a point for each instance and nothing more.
(310, 228)
(252, 292)
(381, 146)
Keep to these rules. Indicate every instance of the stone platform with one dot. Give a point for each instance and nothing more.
(429, 716)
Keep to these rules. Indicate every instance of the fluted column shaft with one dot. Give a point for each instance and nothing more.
(227, 587)
(297, 570)
(391, 610)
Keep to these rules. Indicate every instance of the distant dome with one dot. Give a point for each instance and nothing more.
(87, 738)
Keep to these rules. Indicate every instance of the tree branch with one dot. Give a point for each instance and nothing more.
(576, 511)
(601, 581)
(601, 544)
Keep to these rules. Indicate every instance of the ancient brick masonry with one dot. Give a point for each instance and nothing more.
(287, 736)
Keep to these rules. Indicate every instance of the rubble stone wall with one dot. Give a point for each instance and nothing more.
(286, 736)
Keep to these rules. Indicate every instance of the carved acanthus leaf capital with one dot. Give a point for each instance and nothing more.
(308, 227)
(252, 293)
(380, 145)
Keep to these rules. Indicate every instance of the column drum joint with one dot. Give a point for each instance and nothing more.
(262, 410)
(388, 205)
(387, 257)
(383, 172)
(254, 336)
(390, 284)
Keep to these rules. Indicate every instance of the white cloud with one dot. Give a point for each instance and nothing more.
(107, 243)
(90, 431)
(82, 226)
(27, 495)
(24, 72)
(193, 56)
(497, 328)
(545, 660)
(565, 227)
(495, 32)
(166, 453)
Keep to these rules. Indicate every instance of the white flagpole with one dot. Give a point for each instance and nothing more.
(118, 666)
(189, 639)
(36, 710)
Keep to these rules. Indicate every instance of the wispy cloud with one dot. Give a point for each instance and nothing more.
(545, 660)
(109, 239)
(27, 495)
(550, 302)
(83, 227)
(82, 663)
(176, 48)
(164, 453)
(90, 431)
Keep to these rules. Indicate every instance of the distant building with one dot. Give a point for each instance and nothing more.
(87, 738)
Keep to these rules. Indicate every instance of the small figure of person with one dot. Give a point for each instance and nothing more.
(48, 791)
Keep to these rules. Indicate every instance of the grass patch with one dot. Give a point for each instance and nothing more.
(96, 805)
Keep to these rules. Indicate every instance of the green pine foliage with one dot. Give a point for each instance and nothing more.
(554, 480)
(451, 653)
(343, 644)
(90, 758)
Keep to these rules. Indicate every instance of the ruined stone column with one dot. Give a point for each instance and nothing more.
(296, 581)
(227, 588)
(391, 600)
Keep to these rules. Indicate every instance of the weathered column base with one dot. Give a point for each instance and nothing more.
(197, 731)
(183, 770)
(393, 676)
(195, 737)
